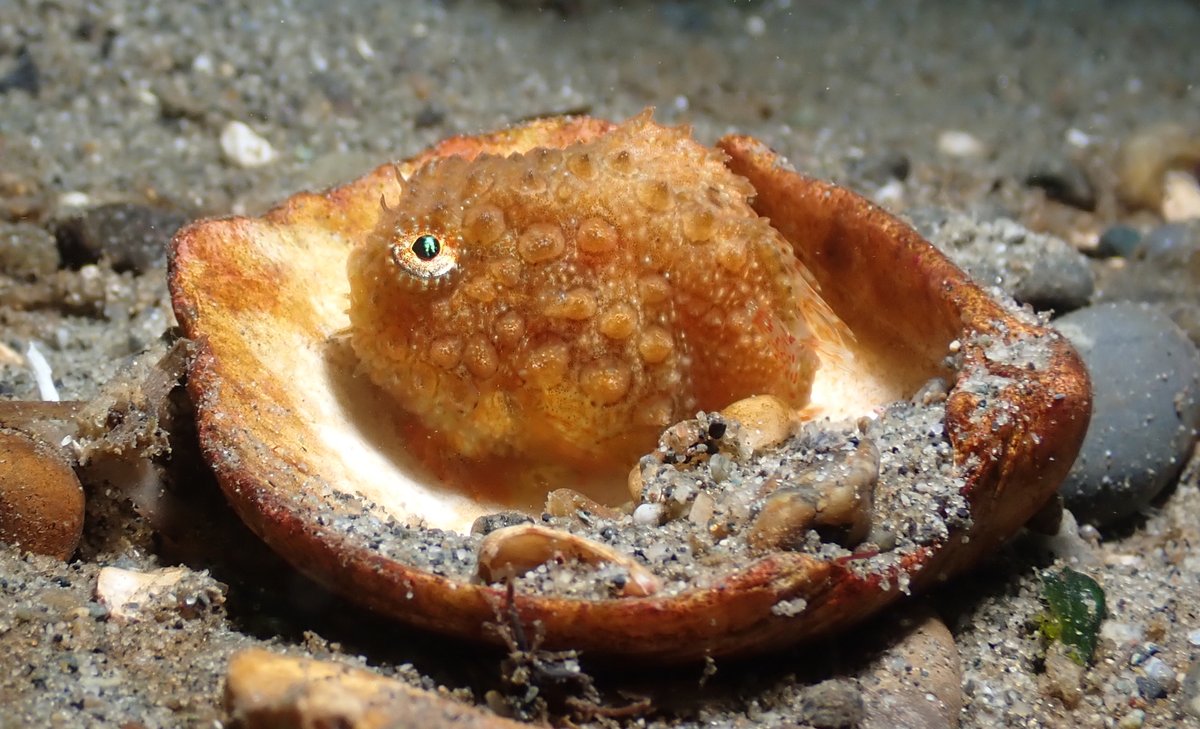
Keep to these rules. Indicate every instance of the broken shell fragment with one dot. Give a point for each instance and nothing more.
(513, 551)
(835, 498)
(786, 516)
(326, 476)
(846, 491)
(129, 594)
(635, 483)
(41, 499)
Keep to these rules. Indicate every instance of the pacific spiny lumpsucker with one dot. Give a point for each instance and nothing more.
(562, 306)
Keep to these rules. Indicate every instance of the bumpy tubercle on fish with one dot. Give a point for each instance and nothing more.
(541, 318)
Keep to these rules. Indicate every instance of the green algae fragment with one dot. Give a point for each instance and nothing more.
(1075, 609)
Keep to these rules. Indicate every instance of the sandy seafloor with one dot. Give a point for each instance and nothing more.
(121, 101)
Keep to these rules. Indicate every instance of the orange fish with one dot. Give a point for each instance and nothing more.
(551, 312)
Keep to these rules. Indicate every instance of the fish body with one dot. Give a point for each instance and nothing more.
(563, 305)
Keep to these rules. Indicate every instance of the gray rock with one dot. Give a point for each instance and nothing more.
(1035, 269)
(1158, 679)
(1064, 181)
(1119, 240)
(1146, 387)
(130, 237)
(1164, 268)
(832, 704)
(1171, 244)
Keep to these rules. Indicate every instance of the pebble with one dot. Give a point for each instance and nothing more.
(1169, 244)
(765, 419)
(1146, 157)
(957, 143)
(1146, 408)
(23, 194)
(1144, 653)
(649, 514)
(1067, 544)
(889, 194)
(1118, 241)
(1078, 138)
(244, 147)
(130, 237)
(1064, 181)
(1165, 269)
(1189, 690)
(1181, 196)
(429, 116)
(41, 499)
(22, 75)
(1064, 676)
(1122, 633)
(756, 26)
(882, 168)
(1158, 679)
(1133, 720)
(916, 682)
(27, 251)
(832, 704)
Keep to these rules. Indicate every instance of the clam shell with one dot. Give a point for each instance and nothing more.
(297, 440)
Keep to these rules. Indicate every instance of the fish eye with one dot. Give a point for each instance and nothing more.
(423, 256)
(426, 247)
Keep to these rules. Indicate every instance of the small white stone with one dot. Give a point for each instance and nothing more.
(957, 143)
(319, 63)
(147, 97)
(364, 48)
(74, 199)
(649, 514)
(244, 147)
(789, 608)
(891, 193)
(1193, 637)
(1078, 138)
(203, 63)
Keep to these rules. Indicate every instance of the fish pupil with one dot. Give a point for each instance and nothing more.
(426, 247)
